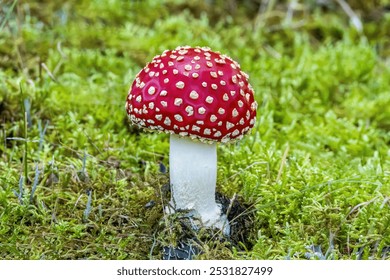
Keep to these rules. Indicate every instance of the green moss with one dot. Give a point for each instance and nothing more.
(315, 169)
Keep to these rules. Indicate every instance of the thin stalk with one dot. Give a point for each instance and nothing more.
(8, 15)
(25, 149)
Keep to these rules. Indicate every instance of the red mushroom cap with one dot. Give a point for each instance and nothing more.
(193, 92)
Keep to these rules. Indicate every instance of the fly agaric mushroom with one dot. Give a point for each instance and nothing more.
(200, 97)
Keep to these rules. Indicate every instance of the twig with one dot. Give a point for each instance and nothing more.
(360, 205)
(355, 21)
(49, 72)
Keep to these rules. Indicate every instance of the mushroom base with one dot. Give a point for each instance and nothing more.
(193, 176)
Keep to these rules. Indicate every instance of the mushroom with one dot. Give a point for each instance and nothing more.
(201, 98)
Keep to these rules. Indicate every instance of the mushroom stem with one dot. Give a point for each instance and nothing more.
(193, 176)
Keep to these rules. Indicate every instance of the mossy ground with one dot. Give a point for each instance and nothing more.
(76, 181)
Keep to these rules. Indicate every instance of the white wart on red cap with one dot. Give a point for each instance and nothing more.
(193, 92)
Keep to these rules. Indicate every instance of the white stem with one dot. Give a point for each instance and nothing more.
(193, 176)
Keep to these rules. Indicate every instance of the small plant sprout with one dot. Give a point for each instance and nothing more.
(20, 194)
(88, 207)
(35, 183)
(200, 98)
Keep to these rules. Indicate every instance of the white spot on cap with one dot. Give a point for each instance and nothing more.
(163, 93)
(204, 84)
(240, 103)
(217, 134)
(188, 67)
(164, 71)
(139, 98)
(234, 79)
(175, 71)
(197, 66)
(196, 128)
(161, 65)
(180, 58)
(180, 85)
(253, 105)
(222, 82)
(207, 131)
(195, 75)
(225, 97)
(197, 57)
(229, 125)
(235, 132)
(152, 90)
(233, 65)
(221, 111)
(179, 118)
(151, 105)
(234, 113)
(183, 133)
(166, 80)
(220, 73)
(167, 121)
(213, 118)
(232, 92)
(183, 52)
(151, 73)
(170, 63)
(220, 61)
(213, 74)
(158, 117)
(220, 123)
(209, 99)
(194, 94)
(173, 56)
(190, 110)
(201, 110)
(209, 64)
(214, 86)
(178, 101)
(200, 122)
(164, 103)
(226, 138)
(142, 84)
(242, 121)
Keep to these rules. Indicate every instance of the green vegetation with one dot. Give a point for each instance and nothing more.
(75, 177)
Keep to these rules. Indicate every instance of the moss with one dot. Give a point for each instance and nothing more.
(313, 172)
